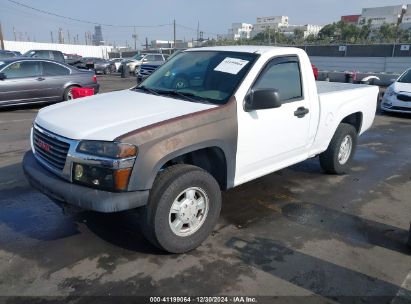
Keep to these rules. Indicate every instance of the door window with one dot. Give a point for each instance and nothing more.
(284, 75)
(158, 58)
(23, 69)
(149, 58)
(58, 56)
(42, 54)
(52, 69)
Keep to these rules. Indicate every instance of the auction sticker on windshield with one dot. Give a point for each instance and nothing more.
(231, 65)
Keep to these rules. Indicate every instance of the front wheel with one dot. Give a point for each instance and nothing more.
(337, 158)
(183, 208)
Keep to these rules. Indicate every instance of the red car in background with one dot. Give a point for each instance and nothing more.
(315, 71)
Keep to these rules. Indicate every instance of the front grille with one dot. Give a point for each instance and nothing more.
(401, 109)
(403, 97)
(148, 70)
(50, 150)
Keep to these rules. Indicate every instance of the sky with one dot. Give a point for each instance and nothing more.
(153, 18)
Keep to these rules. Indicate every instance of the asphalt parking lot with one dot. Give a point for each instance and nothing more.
(296, 232)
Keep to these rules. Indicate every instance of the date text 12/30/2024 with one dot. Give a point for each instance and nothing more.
(232, 299)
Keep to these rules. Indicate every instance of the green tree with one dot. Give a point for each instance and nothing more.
(298, 34)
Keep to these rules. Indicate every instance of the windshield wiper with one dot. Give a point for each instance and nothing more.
(144, 88)
(186, 95)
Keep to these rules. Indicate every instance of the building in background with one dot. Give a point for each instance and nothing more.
(271, 22)
(240, 31)
(169, 44)
(351, 19)
(406, 18)
(98, 35)
(307, 30)
(377, 16)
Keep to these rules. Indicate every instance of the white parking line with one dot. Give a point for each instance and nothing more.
(15, 120)
(405, 286)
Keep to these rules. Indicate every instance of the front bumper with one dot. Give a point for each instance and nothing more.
(392, 104)
(76, 195)
(141, 78)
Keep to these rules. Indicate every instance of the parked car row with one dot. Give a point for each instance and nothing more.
(135, 62)
(99, 65)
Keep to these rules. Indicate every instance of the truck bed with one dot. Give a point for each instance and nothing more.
(339, 100)
(325, 87)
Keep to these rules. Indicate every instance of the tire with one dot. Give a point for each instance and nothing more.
(106, 71)
(67, 95)
(331, 160)
(170, 187)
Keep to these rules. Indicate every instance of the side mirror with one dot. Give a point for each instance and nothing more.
(3, 76)
(261, 99)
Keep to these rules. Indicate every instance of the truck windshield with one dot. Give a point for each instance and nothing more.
(406, 77)
(202, 76)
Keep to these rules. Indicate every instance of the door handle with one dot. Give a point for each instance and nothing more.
(40, 79)
(301, 112)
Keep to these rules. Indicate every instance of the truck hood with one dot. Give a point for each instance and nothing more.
(108, 116)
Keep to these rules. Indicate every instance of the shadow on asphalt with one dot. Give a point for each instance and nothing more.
(319, 276)
(25, 107)
(119, 229)
(362, 232)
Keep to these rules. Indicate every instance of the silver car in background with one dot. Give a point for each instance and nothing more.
(27, 80)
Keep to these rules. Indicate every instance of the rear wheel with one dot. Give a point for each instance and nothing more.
(68, 94)
(337, 158)
(183, 208)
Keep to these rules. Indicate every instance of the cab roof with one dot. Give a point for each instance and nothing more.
(256, 49)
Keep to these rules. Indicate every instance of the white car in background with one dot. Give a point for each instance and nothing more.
(117, 62)
(135, 62)
(397, 97)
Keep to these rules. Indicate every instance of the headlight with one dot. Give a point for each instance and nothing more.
(109, 167)
(390, 92)
(107, 149)
(100, 177)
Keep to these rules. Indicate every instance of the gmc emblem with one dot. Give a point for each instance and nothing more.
(44, 146)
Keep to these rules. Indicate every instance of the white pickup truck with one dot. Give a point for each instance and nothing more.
(207, 120)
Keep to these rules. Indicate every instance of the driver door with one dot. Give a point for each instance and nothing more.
(272, 139)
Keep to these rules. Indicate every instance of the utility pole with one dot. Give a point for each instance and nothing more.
(14, 34)
(51, 36)
(135, 38)
(174, 25)
(198, 31)
(146, 43)
(269, 35)
(68, 36)
(61, 36)
(1, 38)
